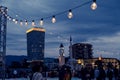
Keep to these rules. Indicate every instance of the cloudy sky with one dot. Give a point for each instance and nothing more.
(101, 27)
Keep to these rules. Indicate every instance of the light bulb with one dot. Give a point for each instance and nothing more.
(9, 18)
(16, 21)
(5, 15)
(26, 23)
(53, 19)
(6, 9)
(21, 23)
(3, 12)
(93, 5)
(33, 23)
(70, 15)
(41, 21)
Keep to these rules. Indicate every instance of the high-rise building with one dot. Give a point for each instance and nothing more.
(35, 43)
(82, 51)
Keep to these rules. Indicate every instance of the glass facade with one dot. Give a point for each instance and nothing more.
(35, 43)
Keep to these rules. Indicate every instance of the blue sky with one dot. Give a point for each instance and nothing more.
(101, 27)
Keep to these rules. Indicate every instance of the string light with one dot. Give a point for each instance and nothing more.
(21, 23)
(3, 12)
(5, 15)
(41, 21)
(94, 5)
(70, 15)
(7, 9)
(26, 22)
(9, 18)
(16, 21)
(53, 19)
(33, 23)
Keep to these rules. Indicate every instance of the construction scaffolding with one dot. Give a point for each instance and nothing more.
(3, 30)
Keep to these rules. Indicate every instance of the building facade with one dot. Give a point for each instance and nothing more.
(35, 43)
(82, 51)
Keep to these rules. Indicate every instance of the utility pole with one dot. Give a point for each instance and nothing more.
(3, 30)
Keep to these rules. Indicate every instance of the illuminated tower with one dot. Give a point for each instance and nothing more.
(61, 55)
(35, 43)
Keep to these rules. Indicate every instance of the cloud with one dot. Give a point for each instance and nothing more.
(100, 27)
(108, 46)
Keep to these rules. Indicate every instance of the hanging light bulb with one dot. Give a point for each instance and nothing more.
(53, 19)
(26, 23)
(3, 12)
(41, 21)
(10, 18)
(94, 5)
(6, 9)
(5, 15)
(70, 15)
(21, 23)
(33, 23)
(16, 21)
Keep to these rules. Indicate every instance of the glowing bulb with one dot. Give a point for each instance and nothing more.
(41, 22)
(3, 12)
(16, 21)
(6, 9)
(16, 15)
(26, 23)
(21, 23)
(70, 15)
(5, 15)
(33, 23)
(53, 19)
(9, 18)
(94, 5)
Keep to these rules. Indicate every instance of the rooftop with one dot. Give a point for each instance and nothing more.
(36, 29)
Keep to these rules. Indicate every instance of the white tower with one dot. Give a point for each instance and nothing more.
(61, 55)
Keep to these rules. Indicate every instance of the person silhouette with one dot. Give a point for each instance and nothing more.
(37, 72)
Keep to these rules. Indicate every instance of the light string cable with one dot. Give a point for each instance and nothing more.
(53, 19)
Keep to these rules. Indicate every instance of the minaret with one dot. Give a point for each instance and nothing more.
(71, 60)
(70, 48)
(61, 55)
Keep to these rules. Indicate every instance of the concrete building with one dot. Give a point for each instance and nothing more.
(82, 51)
(35, 43)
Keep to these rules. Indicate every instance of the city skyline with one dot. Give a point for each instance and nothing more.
(99, 27)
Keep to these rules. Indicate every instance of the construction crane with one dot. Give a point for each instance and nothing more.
(3, 30)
